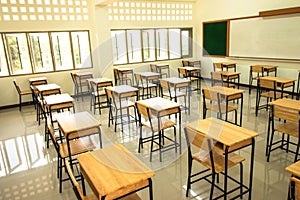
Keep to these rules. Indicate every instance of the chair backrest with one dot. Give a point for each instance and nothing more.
(17, 87)
(182, 71)
(210, 95)
(164, 84)
(267, 84)
(185, 63)
(297, 188)
(218, 66)
(77, 190)
(73, 78)
(284, 113)
(153, 68)
(258, 69)
(138, 78)
(216, 79)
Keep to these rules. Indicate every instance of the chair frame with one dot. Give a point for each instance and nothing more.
(157, 122)
(21, 93)
(97, 92)
(259, 70)
(146, 84)
(211, 155)
(289, 127)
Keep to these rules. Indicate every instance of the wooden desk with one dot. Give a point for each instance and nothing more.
(161, 67)
(113, 172)
(37, 80)
(78, 123)
(282, 83)
(80, 81)
(121, 75)
(59, 101)
(148, 80)
(192, 73)
(164, 107)
(294, 170)
(227, 65)
(230, 94)
(232, 138)
(119, 101)
(48, 89)
(178, 83)
(227, 76)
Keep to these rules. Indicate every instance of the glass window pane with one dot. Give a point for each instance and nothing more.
(41, 52)
(174, 43)
(161, 44)
(186, 50)
(81, 49)
(62, 50)
(134, 46)
(119, 47)
(148, 45)
(3, 62)
(18, 53)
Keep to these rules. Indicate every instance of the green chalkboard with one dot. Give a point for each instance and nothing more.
(215, 38)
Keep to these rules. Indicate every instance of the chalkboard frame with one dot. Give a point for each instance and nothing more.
(215, 38)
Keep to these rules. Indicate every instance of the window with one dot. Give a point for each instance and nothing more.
(41, 52)
(186, 41)
(36, 52)
(148, 45)
(119, 47)
(19, 62)
(62, 50)
(134, 46)
(3, 61)
(81, 49)
(144, 45)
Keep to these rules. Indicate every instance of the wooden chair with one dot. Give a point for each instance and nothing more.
(210, 154)
(268, 90)
(185, 63)
(218, 67)
(98, 95)
(217, 79)
(289, 126)
(21, 93)
(174, 93)
(120, 79)
(146, 86)
(119, 103)
(157, 122)
(193, 77)
(294, 194)
(73, 146)
(255, 69)
(214, 102)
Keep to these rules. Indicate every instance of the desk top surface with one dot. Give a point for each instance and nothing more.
(228, 64)
(189, 68)
(148, 74)
(225, 90)
(58, 99)
(294, 169)
(113, 170)
(287, 103)
(37, 79)
(122, 69)
(47, 87)
(99, 80)
(73, 122)
(176, 80)
(228, 73)
(159, 103)
(121, 89)
(266, 66)
(221, 131)
(277, 79)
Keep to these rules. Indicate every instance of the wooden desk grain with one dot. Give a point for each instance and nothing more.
(113, 171)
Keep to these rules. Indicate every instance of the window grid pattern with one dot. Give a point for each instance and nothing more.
(44, 10)
(150, 11)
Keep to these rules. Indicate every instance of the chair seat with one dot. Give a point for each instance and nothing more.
(219, 160)
(77, 147)
(149, 85)
(164, 124)
(273, 95)
(215, 108)
(173, 94)
(288, 128)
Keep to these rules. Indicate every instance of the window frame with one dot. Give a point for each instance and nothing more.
(144, 59)
(8, 59)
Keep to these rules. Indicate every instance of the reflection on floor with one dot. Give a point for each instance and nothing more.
(28, 169)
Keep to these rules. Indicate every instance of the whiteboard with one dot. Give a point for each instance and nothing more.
(275, 37)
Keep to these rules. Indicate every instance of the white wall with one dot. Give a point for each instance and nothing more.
(219, 9)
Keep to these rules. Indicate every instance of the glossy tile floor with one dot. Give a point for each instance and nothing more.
(28, 169)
